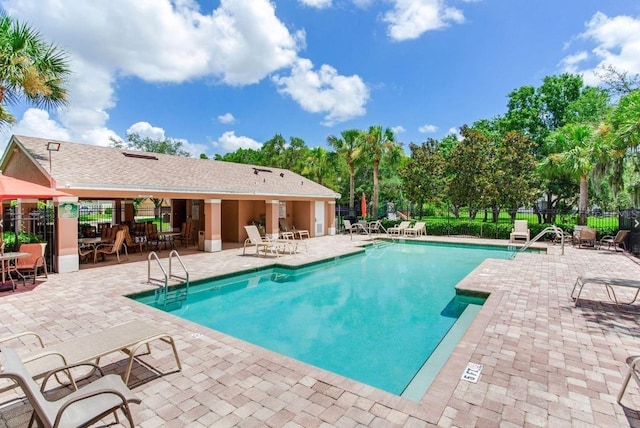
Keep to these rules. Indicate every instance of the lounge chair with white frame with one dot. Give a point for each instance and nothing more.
(418, 229)
(262, 244)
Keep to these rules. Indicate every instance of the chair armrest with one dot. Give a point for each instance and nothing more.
(78, 399)
(24, 334)
(67, 368)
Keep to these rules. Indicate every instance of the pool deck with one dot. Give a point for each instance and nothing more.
(545, 362)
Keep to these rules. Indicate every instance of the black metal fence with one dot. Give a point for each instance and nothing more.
(37, 225)
(486, 224)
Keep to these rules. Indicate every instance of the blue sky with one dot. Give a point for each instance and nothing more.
(219, 75)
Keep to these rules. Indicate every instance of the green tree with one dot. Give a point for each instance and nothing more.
(577, 150)
(349, 147)
(378, 142)
(468, 172)
(622, 130)
(168, 146)
(31, 69)
(423, 176)
(513, 173)
(317, 164)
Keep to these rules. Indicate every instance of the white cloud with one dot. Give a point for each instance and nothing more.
(230, 142)
(324, 91)
(226, 118)
(409, 19)
(428, 129)
(455, 132)
(319, 4)
(398, 129)
(35, 123)
(146, 130)
(241, 42)
(571, 62)
(617, 44)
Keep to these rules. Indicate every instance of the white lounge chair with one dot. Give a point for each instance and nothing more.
(82, 407)
(399, 229)
(297, 233)
(520, 230)
(355, 227)
(262, 244)
(416, 230)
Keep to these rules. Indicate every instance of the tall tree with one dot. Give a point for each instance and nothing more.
(317, 164)
(469, 172)
(349, 147)
(577, 150)
(31, 69)
(377, 143)
(423, 176)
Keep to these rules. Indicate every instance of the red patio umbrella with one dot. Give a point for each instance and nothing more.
(13, 188)
(363, 206)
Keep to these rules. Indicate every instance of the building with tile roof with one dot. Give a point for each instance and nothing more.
(219, 197)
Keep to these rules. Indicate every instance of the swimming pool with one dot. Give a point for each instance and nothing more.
(375, 317)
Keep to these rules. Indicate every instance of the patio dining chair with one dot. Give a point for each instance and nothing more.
(619, 239)
(114, 248)
(33, 262)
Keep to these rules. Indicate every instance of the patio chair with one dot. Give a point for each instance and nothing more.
(520, 230)
(83, 407)
(619, 239)
(32, 263)
(114, 248)
(297, 233)
(153, 238)
(416, 230)
(587, 237)
(130, 241)
(633, 370)
(399, 229)
(355, 227)
(262, 244)
(374, 226)
(185, 236)
(85, 253)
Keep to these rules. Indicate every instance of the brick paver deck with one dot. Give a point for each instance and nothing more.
(546, 362)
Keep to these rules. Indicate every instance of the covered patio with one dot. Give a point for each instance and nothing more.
(217, 198)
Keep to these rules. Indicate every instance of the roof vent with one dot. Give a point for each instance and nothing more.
(257, 170)
(139, 156)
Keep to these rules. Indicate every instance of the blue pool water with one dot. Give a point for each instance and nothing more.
(373, 317)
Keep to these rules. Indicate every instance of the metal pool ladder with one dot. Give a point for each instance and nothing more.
(163, 296)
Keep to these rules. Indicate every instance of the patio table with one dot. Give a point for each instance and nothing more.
(7, 267)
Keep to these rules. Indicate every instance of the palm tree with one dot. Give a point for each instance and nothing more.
(349, 147)
(317, 164)
(578, 150)
(378, 143)
(31, 69)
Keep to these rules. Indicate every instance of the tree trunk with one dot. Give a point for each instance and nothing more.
(582, 205)
(376, 164)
